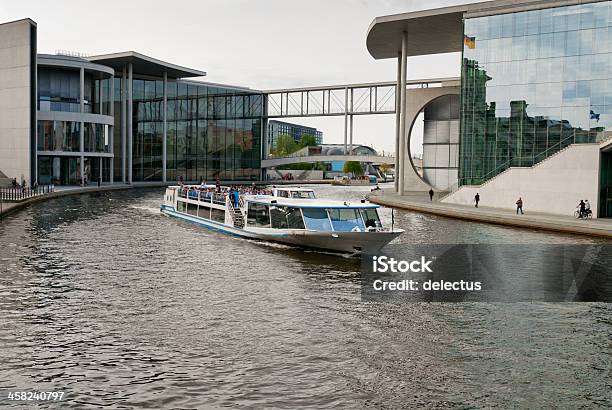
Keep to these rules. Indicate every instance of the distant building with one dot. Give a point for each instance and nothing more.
(276, 128)
(338, 149)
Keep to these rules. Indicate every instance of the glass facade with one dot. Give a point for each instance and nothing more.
(212, 132)
(605, 185)
(59, 170)
(58, 90)
(97, 95)
(532, 83)
(95, 137)
(59, 136)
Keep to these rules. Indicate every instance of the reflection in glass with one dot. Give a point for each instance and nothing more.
(532, 83)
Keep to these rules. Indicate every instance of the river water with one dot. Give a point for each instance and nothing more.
(103, 298)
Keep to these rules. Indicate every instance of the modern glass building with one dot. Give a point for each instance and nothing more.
(129, 118)
(535, 85)
(296, 131)
(74, 120)
(532, 83)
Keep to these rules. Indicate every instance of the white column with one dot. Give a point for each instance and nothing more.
(402, 142)
(123, 126)
(351, 134)
(82, 131)
(165, 136)
(129, 133)
(345, 119)
(397, 118)
(111, 130)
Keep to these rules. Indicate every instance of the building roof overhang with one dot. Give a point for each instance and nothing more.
(145, 65)
(440, 30)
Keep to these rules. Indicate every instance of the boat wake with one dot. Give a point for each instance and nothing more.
(151, 209)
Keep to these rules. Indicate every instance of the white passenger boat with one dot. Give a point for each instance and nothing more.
(271, 216)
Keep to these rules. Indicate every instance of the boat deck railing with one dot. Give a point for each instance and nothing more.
(217, 198)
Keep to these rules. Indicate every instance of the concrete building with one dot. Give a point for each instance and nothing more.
(531, 114)
(119, 118)
(18, 99)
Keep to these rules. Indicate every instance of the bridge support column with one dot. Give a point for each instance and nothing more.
(397, 119)
(350, 151)
(346, 91)
(403, 138)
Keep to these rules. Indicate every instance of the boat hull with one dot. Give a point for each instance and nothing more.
(349, 242)
(344, 242)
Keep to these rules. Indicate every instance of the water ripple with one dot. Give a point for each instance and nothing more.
(118, 306)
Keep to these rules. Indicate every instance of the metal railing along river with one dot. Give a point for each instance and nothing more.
(16, 194)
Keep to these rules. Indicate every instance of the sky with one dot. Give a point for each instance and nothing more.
(262, 44)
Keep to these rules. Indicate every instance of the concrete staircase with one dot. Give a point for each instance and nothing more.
(552, 186)
(604, 143)
(4, 180)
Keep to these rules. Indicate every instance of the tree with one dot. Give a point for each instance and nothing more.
(307, 140)
(385, 167)
(285, 145)
(353, 167)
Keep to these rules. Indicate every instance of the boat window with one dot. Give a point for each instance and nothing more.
(302, 194)
(316, 219)
(278, 217)
(258, 215)
(217, 215)
(282, 194)
(180, 206)
(192, 209)
(204, 212)
(346, 219)
(284, 217)
(294, 218)
(370, 217)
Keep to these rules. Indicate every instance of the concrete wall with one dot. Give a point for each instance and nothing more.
(416, 100)
(555, 185)
(16, 66)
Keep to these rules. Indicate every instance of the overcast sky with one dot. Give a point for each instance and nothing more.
(262, 44)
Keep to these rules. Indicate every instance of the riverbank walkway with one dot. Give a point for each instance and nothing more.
(419, 201)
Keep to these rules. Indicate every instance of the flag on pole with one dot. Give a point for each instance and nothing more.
(469, 41)
(594, 115)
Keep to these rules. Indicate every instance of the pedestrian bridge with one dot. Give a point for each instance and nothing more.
(370, 159)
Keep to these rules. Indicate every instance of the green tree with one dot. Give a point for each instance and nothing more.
(307, 140)
(285, 145)
(353, 167)
(384, 168)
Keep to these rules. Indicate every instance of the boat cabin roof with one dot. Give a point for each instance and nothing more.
(293, 188)
(311, 203)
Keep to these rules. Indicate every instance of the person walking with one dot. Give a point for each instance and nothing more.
(519, 206)
(477, 199)
(582, 207)
(587, 207)
(431, 194)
